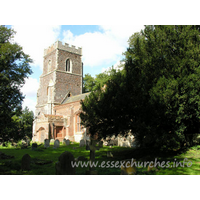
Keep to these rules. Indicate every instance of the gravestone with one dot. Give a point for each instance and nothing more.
(26, 160)
(26, 141)
(46, 143)
(34, 146)
(82, 143)
(105, 143)
(64, 166)
(126, 144)
(111, 143)
(120, 141)
(66, 142)
(115, 142)
(56, 144)
(24, 145)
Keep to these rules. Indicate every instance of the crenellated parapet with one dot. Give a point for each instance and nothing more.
(65, 47)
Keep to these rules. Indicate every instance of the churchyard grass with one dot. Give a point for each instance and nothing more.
(43, 160)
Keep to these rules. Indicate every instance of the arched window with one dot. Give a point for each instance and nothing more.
(68, 65)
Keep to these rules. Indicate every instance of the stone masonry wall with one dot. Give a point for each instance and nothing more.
(51, 56)
(42, 92)
(66, 81)
(76, 61)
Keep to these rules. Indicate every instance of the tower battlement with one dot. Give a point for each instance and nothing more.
(65, 47)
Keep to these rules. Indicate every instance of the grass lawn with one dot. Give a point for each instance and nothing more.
(12, 166)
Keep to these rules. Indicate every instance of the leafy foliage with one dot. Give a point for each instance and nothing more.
(24, 122)
(92, 83)
(101, 109)
(88, 83)
(167, 59)
(156, 96)
(14, 68)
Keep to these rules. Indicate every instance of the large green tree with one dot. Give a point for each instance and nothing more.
(104, 110)
(156, 96)
(14, 68)
(167, 59)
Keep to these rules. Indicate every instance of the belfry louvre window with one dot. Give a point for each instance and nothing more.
(68, 65)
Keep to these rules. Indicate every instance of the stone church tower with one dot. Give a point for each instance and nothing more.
(61, 78)
(57, 113)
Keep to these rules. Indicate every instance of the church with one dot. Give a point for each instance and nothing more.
(57, 112)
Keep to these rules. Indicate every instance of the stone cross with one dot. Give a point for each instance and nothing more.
(93, 148)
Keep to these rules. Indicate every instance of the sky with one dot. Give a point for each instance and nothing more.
(102, 47)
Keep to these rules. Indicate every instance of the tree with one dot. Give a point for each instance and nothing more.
(156, 96)
(14, 68)
(104, 111)
(88, 83)
(24, 122)
(166, 58)
(91, 84)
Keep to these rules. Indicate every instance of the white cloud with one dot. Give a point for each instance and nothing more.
(102, 48)
(30, 103)
(35, 38)
(30, 91)
(115, 66)
(30, 87)
(99, 48)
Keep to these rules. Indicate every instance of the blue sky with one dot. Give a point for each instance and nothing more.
(102, 47)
